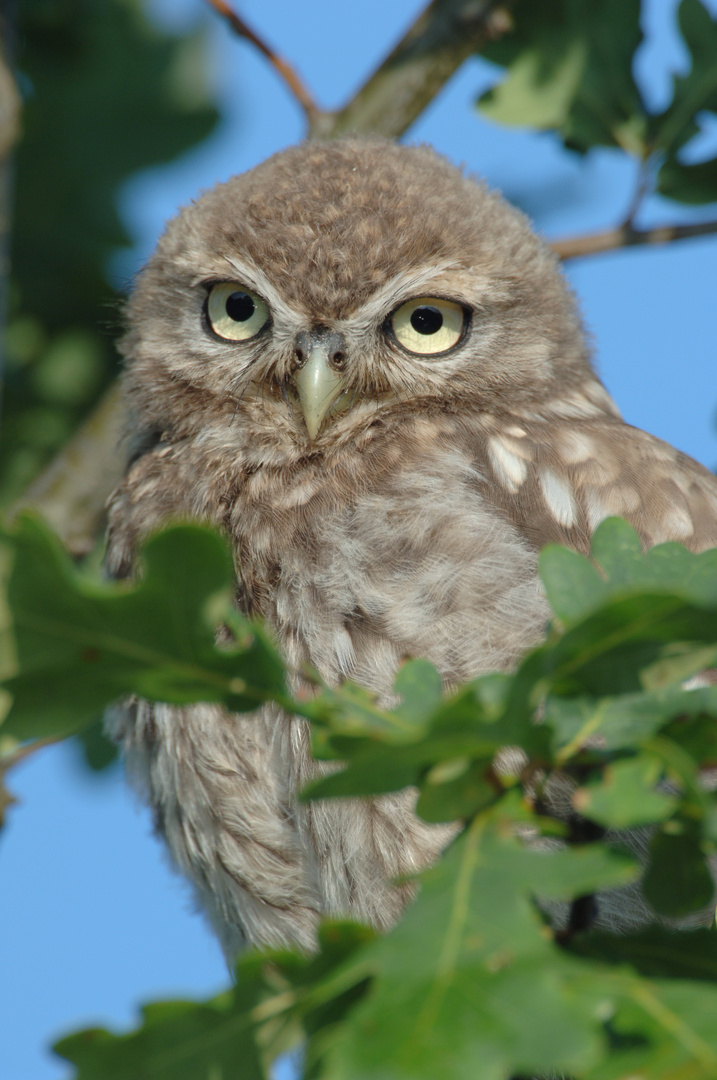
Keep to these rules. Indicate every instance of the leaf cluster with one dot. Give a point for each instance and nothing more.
(105, 93)
(569, 69)
(495, 968)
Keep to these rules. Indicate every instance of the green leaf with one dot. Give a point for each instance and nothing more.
(82, 644)
(692, 92)
(451, 794)
(616, 547)
(468, 725)
(468, 983)
(655, 951)
(177, 1040)
(98, 751)
(570, 69)
(573, 585)
(628, 720)
(420, 688)
(605, 653)
(669, 1024)
(542, 84)
(692, 184)
(625, 795)
(677, 880)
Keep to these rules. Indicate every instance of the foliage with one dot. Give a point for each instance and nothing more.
(569, 69)
(476, 979)
(106, 93)
(475, 974)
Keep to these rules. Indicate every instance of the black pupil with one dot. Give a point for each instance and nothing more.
(240, 306)
(426, 320)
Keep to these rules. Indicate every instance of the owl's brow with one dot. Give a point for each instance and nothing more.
(251, 276)
(401, 287)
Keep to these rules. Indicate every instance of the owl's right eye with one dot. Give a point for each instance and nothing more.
(235, 312)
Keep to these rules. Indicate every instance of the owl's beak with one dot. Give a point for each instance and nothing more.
(319, 384)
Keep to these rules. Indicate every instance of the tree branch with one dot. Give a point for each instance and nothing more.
(14, 757)
(573, 247)
(281, 66)
(441, 39)
(71, 492)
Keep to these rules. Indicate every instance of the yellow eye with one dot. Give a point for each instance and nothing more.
(427, 325)
(235, 312)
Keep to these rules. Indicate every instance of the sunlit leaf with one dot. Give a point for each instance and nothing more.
(569, 69)
(626, 795)
(485, 992)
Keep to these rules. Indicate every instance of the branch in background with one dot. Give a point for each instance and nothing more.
(597, 243)
(281, 66)
(441, 39)
(71, 492)
(12, 758)
(9, 107)
(10, 110)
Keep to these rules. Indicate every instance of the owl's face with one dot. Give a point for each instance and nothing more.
(339, 280)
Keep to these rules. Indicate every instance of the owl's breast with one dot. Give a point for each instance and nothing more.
(406, 561)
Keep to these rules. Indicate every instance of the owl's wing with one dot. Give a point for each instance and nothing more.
(557, 481)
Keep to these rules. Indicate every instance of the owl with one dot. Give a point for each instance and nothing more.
(368, 371)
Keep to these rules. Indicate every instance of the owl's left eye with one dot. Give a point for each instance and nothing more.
(235, 312)
(428, 325)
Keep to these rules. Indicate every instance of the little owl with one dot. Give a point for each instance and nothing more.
(369, 373)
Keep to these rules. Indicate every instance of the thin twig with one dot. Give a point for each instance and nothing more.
(573, 247)
(284, 69)
(642, 187)
(9, 761)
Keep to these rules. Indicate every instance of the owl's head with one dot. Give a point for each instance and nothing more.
(339, 281)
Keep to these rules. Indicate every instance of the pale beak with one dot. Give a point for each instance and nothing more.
(319, 386)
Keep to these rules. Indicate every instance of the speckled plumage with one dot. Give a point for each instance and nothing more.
(409, 525)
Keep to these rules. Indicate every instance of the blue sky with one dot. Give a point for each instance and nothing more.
(94, 920)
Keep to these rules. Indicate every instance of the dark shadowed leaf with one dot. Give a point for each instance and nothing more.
(81, 644)
(693, 184)
(677, 880)
(656, 951)
(178, 1040)
(694, 91)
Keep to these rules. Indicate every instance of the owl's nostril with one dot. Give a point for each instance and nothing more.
(331, 343)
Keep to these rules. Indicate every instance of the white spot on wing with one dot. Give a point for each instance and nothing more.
(677, 524)
(595, 509)
(576, 447)
(573, 405)
(558, 497)
(509, 469)
(597, 393)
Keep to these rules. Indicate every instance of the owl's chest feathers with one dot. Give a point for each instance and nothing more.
(386, 555)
